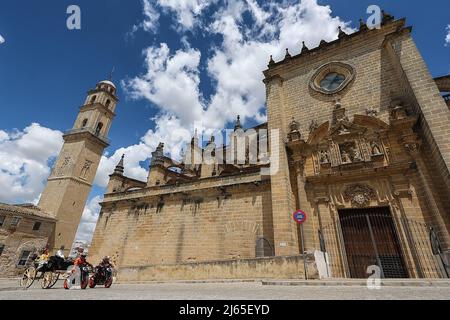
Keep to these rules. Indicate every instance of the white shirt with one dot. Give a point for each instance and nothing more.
(60, 254)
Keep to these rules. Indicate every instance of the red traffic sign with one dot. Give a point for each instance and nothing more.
(299, 216)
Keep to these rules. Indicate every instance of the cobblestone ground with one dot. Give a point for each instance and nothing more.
(9, 290)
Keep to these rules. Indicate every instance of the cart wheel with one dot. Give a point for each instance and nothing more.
(28, 277)
(47, 280)
(55, 279)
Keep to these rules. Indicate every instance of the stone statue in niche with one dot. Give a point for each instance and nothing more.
(345, 157)
(324, 157)
(86, 168)
(355, 153)
(313, 126)
(375, 149)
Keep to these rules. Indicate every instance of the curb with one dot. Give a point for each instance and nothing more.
(189, 281)
(362, 283)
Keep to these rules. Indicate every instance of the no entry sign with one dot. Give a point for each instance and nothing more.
(299, 216)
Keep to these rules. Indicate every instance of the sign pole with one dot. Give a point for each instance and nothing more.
(300, 217)
(305, 267)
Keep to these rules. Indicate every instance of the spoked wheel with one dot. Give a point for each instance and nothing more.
(55, 279)
(47, 280)
(28, 277)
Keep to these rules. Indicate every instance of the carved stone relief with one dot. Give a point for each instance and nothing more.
(86, 168)
(65, 167)
(359, 195)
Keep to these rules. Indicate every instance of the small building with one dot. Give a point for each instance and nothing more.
(24, 230)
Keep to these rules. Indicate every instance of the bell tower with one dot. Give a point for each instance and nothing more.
(71, 180)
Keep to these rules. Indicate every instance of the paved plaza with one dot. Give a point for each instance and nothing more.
(9, 290)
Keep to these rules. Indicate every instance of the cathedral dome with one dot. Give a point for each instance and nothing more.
(108, 83)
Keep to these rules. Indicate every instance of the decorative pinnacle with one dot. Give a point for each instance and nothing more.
(288, 55)
(304, 47)
(362, 25)
(341, 33)
(386, 16)
(120, 166)
(194, 140)
(238, 123)
(271, 61)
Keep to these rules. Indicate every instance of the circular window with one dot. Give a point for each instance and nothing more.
(332, 77)
(332, 81)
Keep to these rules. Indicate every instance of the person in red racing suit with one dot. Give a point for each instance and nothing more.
(81, 261)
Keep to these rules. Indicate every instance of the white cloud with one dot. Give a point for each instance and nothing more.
(186, 10)
(24, 162)
(2, 40)
(447, 38)
(168, 129)
(134, 155)
(89, 219)
(3, 136)
(151, 18)
(171, 80)
(150, 22)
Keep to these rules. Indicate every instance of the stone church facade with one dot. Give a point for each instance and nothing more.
(358, 140)
(363, 150)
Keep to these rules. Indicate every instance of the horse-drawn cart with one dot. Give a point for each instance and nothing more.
(48, 272)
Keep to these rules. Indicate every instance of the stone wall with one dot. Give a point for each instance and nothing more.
(198, 224)
(281, 267)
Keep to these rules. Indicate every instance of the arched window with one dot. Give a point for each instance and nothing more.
(93, 99)
(84, 123)
(263, 248)
(99, 128)
(108, 103)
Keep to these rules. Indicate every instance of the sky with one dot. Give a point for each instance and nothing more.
(176, 63)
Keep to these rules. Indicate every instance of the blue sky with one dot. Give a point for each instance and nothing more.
(193, 49)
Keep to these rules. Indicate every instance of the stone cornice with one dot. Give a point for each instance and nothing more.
(201, 184)
(71, 178)
(391, 27)
(105, 91)
(97, 105)
(83, 133)
(363, 173)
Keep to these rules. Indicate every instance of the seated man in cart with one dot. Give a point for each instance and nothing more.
(59, 259)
